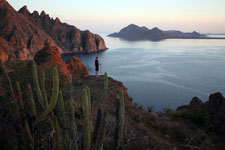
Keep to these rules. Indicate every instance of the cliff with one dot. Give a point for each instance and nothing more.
(68, 37)
(23, 33)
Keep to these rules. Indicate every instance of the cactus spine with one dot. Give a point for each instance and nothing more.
(43, 90)
(31, 102)
(73, 129)
(36, 83)
(87, 134)
(120, 121)
(61, 110)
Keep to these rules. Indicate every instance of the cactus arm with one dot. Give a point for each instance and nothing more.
(61, 110)
(43, 90)
(90, 111)
(36, 83)
(56, 127)
(54, 97)
(87, 135)
(102, 133)
(2, 67)
(106, 81)
(73, 128)
(20, 98)
(31, 102)
(97, 129)
(119, 132)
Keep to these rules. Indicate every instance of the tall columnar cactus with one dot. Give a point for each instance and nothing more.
(36, 83)
(43, 90)
(2, 67)
(90, 109)
(20, 98)
(23, 115)
(61, 110)
(99, 144)
(73, 129)
(27, 128)
(54, 97)
(120, 121)
(97, 129)
(56, 135)
(87, 133)
(106, 84)
(30, 101)
(71, 88)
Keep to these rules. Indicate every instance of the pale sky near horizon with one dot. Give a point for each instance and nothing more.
(104, 16)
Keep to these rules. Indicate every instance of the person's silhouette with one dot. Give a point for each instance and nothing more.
(96, 66)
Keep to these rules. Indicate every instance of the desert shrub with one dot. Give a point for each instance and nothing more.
(198, 116)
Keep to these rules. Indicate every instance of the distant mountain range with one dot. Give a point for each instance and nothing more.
(135, 33)
(22, 34)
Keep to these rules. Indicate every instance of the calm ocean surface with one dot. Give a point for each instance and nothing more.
(163, 74)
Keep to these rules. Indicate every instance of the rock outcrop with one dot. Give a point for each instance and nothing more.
(68, 37)
(22, 39)
(50, 56)
(215, 107)
(23, 33)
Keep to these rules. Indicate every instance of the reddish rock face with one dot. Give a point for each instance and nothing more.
(50, 55)
(23, 33)
(68, 37)
(22, 38)
(78, 70)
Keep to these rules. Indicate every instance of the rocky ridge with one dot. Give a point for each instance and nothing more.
(23, 33)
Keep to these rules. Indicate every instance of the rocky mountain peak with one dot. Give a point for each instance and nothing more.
(57, 20)
(4, 3)
(24, 10)
(35, 14)
(43, 13)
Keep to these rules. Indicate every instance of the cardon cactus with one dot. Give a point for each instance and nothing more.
(61, 110)
(119, 132)
(54, 97)
(73, 129)
(90, 109)
(56, 135)
(87, 133)
(30, 101)
(106, 84)
(101, 139)
(43, 90)
(2, 67)
(36, 83)
(97, 129)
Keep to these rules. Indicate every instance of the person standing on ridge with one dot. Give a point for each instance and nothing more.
(96, 66)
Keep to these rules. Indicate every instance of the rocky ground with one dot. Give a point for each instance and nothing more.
(144, 130)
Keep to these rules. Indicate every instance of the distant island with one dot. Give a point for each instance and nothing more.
(136, 33)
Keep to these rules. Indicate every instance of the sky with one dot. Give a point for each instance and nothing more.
(108, 16)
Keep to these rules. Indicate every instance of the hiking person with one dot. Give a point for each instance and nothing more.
(96, 66)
